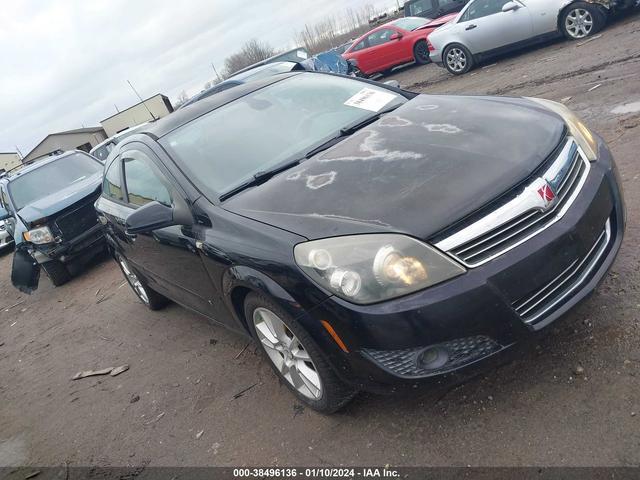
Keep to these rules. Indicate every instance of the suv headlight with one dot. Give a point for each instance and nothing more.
(579, 131)
(39, 235)
(370, 268)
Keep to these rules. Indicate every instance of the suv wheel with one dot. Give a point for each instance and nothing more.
(152, 299)
(294, 356)
(580, 19)
(457, 59)
(57, 272)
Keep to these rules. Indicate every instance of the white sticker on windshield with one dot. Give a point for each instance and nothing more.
(370, 99)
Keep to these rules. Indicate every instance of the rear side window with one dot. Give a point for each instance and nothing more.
(144, 181)
(112, 183)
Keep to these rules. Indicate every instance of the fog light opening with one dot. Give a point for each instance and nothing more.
(433, 358)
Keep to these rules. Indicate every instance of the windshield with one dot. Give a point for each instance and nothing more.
(52, 177)
(411, 24)
(283, 121)
(101, 153)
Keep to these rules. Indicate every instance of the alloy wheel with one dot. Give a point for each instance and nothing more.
(579, 23)
(287, 353)
(456, 59)
(422, 52)
(134, 281)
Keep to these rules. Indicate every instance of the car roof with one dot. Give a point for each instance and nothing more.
(185, 115)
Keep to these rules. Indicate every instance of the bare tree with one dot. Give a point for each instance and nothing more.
(182, 98)
(251, 52)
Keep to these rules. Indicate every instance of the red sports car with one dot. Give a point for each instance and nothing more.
(400, 41)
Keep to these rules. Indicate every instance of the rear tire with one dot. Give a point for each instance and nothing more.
(57, 272)
(421, 53)
(149, 297)
(580, 20)
(457, 59)
(299, 365)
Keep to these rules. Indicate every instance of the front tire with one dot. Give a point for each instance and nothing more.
(294, 356)
(57, 272)
(150, 298)
(421, 53)
(457, 59)
(580, 20)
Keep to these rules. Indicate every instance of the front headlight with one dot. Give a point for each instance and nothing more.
(39, 235)
(370, 268)
(583, 136)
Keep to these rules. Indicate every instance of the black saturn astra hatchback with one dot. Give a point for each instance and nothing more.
(365, 236)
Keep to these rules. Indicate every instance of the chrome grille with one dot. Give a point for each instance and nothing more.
(533, 306)
(525, 215)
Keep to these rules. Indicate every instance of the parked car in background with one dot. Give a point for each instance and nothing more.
(48, 209)
(329, 62)
(256, 73)
(6, 239)
(432, 8)
(343, 48)
(102, 150)
(488, 27)
(365, 237)
(395, 43)
(295, 55)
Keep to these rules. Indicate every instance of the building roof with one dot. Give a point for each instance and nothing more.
(139, 103)
(66, 132)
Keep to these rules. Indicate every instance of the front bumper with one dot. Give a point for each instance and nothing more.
(67, 251)
(474, 316)
(436, 57)
(5, 239)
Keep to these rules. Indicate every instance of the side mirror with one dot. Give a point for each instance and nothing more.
(395, 36)
(152, 216)
(510, 7)
(4, 214)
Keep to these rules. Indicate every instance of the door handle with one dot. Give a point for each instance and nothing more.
(471, 27)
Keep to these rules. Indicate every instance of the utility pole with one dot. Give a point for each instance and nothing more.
(116, 108)
(216, 72)
(141, 101)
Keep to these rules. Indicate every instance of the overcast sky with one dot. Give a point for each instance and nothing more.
(65, 63)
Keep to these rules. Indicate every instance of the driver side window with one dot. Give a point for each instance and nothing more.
(379, 37)
(143, 180)
(483, 8)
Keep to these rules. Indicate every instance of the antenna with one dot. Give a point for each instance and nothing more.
(142, 101)
(216, 72)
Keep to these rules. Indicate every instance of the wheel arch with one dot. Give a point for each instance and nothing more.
(603, 6)
(240, 281)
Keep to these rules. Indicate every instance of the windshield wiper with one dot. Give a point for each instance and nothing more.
(261, 177)
(349, 129)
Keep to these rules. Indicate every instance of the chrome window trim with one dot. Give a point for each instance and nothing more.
(528, 200)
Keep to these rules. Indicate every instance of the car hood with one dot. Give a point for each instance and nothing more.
(439, 21)
(417, 170)
(56, 202)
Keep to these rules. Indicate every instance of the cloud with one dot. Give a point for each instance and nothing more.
(65, 63)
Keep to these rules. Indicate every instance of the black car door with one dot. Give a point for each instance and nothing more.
(168, 257)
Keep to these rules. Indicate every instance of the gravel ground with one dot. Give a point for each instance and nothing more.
(531, 408)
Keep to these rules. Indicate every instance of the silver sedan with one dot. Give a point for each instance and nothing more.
(487, 27)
